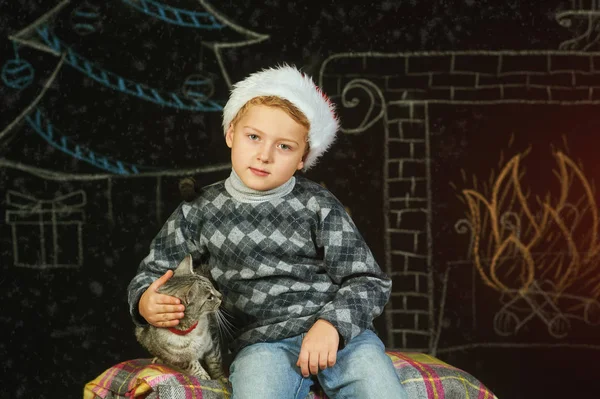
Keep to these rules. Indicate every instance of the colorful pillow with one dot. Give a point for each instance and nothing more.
(423, 377)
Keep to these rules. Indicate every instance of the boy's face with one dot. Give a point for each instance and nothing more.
(267, 147)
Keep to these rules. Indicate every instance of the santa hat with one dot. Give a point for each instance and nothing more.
(287, 82)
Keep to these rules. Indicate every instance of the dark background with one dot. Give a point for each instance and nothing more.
(62, 326)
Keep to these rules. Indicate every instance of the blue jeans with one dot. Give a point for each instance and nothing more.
(268, 371)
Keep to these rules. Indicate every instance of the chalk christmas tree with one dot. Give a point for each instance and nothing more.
(128, 78)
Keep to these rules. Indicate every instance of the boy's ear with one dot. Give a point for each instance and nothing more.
(229, 136)
(306, 152)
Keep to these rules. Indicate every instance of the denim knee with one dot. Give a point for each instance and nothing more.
(363, 370)
(268, 370)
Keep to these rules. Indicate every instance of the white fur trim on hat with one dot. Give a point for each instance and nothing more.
(289, 83)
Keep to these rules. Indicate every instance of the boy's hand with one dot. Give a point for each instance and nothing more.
(158, 309)
(319, 348)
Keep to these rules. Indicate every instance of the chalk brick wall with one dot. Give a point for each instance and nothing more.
(408, 83)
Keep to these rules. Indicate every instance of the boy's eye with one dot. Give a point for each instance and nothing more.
(253, 137)
(285, 147)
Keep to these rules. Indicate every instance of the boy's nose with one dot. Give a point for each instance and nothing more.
(265, 154)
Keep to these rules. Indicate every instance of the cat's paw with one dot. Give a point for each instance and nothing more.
(198, 371)
(223, 380)
(202, 375)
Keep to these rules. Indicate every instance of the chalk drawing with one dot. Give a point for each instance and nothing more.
(86, 19)
(34, 103)
(531, 256)
(177, 16)
(583, 20)
(40, 36)
(39, 221)
(45, 129)
(210, 20)
(398, 91)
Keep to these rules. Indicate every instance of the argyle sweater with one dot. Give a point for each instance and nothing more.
(281, 264)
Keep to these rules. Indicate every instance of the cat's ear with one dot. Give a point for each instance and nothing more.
(185, 268)
(203, 270)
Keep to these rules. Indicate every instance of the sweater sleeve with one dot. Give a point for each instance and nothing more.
(365, 289)
(178, 237)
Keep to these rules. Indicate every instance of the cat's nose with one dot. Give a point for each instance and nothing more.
(218, 295)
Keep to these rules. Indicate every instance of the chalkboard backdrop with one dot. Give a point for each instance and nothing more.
(467, 158)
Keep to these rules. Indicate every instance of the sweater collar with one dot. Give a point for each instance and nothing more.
(238, 190)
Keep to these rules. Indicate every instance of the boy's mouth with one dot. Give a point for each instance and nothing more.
(259, 172)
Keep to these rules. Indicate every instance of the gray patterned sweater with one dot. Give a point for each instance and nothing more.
(282, 260)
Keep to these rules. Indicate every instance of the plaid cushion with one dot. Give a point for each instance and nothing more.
(423, 377)
(426, 377)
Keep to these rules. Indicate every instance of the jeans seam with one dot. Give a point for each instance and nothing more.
(299, 388)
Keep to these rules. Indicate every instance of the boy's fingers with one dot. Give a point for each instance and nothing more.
(161, 280)
(166, 323)
(331, 358)
(162, 299)
(313, 363)
(303, 363)
(164, 320)
(169, 316)
(323, 361)
(171, 309)
(170, 323)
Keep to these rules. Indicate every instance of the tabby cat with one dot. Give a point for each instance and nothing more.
(194, 342)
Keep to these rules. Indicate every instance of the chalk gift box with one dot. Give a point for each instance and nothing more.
(46, 233)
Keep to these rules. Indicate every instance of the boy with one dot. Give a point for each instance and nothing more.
(292, 267)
